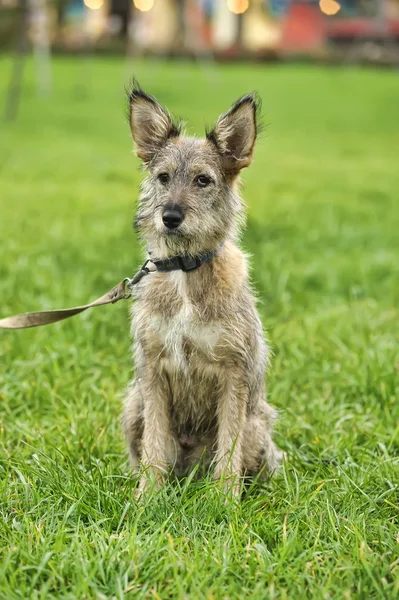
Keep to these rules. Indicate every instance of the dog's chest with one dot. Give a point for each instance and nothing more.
(184, 336)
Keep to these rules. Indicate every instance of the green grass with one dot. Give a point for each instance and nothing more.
(323, 231)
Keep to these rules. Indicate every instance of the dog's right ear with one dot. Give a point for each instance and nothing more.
(150, 124)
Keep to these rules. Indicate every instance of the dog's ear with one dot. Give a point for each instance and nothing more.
(150, 124)
(235, 133)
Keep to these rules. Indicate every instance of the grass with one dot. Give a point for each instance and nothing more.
(323, 232)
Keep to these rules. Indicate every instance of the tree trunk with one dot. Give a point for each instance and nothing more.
(15, 85)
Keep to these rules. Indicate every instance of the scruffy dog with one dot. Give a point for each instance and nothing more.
(199, 391)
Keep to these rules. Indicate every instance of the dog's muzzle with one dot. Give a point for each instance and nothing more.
(172, 216)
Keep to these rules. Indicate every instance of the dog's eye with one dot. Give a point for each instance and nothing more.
(202, 181)
(163, 178)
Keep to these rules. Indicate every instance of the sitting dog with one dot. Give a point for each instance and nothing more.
(200, 354)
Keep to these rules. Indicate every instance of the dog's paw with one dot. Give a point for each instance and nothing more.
(232, 491)
(230, 486)
(150, 482)
(276, 459)
(272, 459)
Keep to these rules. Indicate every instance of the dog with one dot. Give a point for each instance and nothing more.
(200, 354)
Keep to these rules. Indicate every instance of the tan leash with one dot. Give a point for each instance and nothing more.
(34, 319)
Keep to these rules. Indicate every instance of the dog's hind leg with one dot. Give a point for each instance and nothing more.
(260, 453)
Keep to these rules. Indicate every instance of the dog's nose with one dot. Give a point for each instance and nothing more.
(172, 217)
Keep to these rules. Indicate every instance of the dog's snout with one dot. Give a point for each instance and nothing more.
(172, 216)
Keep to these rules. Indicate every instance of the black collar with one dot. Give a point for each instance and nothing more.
(184, 262)
(175, 263)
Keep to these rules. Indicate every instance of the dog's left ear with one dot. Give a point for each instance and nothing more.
(235, 133)
(150, 124)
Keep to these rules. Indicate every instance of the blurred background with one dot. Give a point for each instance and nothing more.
(335, 30)
(322, 236)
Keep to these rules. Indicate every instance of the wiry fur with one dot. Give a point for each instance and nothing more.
(199, 348)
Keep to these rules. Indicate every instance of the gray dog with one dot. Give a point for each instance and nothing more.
(200, 353)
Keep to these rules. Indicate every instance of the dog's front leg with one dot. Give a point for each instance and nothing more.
(157, 437)
(231, 417)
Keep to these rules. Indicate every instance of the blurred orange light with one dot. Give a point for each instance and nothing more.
(238, 6)
(143, 5)
(329, 7)
(94, 4)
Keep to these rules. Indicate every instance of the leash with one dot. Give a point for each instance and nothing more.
(122, 291)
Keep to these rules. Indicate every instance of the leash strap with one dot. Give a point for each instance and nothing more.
(120, 292)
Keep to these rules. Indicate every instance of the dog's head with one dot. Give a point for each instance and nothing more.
(189, 203)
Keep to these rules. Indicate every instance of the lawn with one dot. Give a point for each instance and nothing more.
(323, 223)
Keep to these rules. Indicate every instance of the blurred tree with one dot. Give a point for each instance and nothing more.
(60, 9)
(18, 64)
(40, 36)
(181, 25)
(9, 25)
(238, 41)
(122, 9)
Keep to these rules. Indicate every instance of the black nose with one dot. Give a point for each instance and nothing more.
(172, 217)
